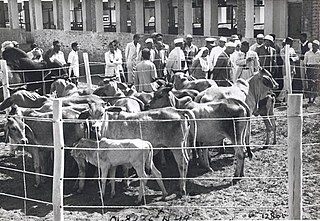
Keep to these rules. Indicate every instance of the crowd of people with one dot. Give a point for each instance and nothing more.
(223, 60)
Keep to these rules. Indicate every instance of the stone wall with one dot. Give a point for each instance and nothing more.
(311, 18)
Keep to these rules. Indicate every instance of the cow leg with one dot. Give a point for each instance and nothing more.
(139, 166)
(112, 181)
(273, 124)
(125, 175)
(163, 159)
(156, 173)
(204, 159)
(267, 122)
(104, 175)
(79, 184)
(182, 163)
(239, 165)
(36, 164)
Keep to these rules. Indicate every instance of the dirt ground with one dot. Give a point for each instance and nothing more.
(263, 194)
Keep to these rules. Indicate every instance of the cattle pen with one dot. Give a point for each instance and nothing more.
(286, 190)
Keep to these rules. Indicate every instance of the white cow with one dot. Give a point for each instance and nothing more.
(134, 153)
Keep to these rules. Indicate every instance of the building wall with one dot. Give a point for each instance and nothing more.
(311, 18)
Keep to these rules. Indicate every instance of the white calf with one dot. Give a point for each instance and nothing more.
(134, 153)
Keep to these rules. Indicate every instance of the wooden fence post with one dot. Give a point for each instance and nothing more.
(288, 69)
(295, 120)
(58, 167)
(87, 69)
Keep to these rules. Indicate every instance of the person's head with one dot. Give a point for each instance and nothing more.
(259, 39)
(244, 46)
(238, 44)
(303, 37)
(230, 47)
(222, 42)
(315, 45)
(111, 47)
(75, 46)
(189, 39)
(145, 54)
(158, 37)
(233, 38)
(179, 42)
(210, 43)
(149, 43)
(136, 38)
(56, 45)
(268, 40)
(205, 52)
(289, 41)
(116, 44)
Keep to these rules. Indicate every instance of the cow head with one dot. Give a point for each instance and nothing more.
(267, 79)
(179, 80)
(162, 98)
(18, 131)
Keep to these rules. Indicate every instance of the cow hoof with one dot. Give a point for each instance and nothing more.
(164, 195)
(250, 155)
(209, 169)
(235, 180)
(79, 191)
(36, 185)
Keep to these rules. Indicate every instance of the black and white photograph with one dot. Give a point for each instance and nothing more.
(129, 110)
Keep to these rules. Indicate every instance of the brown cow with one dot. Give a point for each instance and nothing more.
(166, 127)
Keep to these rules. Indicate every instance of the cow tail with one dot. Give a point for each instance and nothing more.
(149, 160)
(192, 127)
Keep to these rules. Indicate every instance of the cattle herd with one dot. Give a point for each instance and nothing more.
(131, 127)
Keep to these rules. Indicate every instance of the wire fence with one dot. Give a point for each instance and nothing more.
(261, 178)
(25, 172)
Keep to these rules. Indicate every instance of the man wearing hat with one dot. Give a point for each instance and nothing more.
(131, 55)
(259, 42)
(223, 71)
(216, 51)
(149, 44)
(176, 59)
(246, 62)
(267, 55)
(312, 62)
(190, 50)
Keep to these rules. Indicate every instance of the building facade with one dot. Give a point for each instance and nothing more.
(197, 17)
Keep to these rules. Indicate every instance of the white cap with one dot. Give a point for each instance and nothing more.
(6, 44)
(235, 37)
(231, 44)
(268, 37)
(149, 40)
(316, 42)
(178, 40)
(189, 36)
(223, 39)
(210, 39)
(260, 36)
(237, 42)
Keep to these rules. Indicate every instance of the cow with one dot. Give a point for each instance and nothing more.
(259, 87)
(212, 130)
(134, 153)
(182, 82)
(111, 94)
(28, 99)
(37, 129)
(166, 127)
(32, 72)
(63, 88)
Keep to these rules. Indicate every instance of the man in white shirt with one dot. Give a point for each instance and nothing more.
(190, 50)
(131, 56)
(176, 59)
(247, 62)
(312, 62)
(216, 51)
(259, 42)
(73, 62)
(36, 53)
(55, 59)
(113, 62)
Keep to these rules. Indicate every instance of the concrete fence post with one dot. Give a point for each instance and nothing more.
(295, 120)
(87, 69)
(58, 167)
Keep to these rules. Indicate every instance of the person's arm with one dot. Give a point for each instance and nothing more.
(109, 62)
(194, 66)
(239, 60)
(154, 74)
